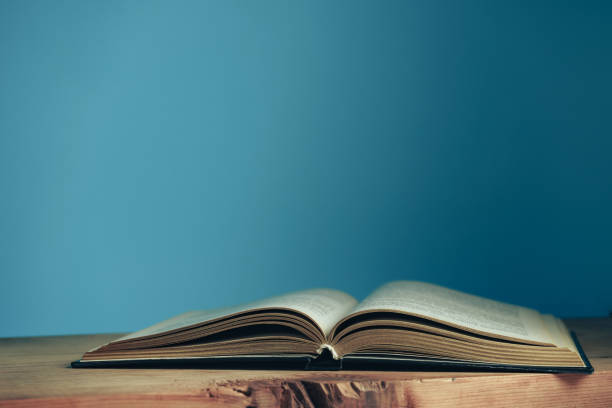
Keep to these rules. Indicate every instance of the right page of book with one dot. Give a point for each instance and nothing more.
(461, 310)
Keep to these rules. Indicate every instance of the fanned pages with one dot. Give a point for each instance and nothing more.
(400, 323)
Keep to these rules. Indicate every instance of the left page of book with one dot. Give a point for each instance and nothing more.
(324, 306)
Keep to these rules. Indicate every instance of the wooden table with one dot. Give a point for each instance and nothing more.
(34, 371)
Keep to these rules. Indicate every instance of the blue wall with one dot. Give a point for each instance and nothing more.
(157, 157)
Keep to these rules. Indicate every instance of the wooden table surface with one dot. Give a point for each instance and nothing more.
(35, 371)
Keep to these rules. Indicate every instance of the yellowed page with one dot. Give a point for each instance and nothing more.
(324, 306)
(459, 309)
(561, 336)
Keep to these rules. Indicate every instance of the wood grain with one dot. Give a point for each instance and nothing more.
(34, 372)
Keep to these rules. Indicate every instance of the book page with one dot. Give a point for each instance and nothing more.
(324, 306)
(459, 309)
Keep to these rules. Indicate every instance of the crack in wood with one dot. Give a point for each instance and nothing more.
(315, 394)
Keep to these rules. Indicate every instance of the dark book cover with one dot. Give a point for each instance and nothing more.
(325, 362)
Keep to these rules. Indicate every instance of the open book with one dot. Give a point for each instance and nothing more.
(401, 325)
